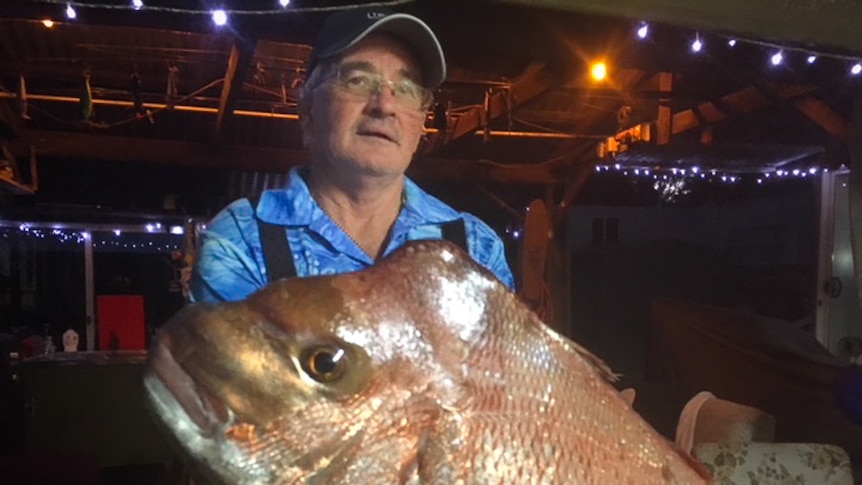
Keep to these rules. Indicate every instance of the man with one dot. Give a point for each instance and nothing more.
(362, 109)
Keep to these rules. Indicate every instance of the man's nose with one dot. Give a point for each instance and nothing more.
(383, 98)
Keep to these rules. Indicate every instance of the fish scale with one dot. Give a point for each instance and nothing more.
(421, 370)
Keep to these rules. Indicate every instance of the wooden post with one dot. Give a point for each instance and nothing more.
(665, 118)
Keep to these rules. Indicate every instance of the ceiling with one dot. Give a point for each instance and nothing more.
(519, 107)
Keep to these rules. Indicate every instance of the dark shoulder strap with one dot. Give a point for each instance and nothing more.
(276, 250)
(456, 232)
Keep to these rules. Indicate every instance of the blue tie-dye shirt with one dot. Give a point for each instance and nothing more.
(230, 263)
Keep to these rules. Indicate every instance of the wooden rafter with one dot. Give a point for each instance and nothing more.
(820, 113)
(237, 69)
(535, 80)
(76, 145)
(13, 126)
(743, 101)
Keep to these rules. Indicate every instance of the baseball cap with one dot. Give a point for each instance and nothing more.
(344, 29)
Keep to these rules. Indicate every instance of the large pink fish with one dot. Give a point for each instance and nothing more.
(423, 369)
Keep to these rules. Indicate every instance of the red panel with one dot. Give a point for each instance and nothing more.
(121, 322)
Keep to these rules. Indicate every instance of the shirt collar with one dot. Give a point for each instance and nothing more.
(420, 207)
(293, 205)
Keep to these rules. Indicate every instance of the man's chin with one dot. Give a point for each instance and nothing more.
(379, 165)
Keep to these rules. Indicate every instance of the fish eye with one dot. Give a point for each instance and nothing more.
(324, 363)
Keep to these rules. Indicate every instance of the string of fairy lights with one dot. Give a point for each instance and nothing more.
(670, 181)
(710, 175)
(778, 54)
(220, 16)
(152, 238)
(698, 44)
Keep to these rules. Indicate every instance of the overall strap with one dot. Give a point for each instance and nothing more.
(276, 250)
(456, 232)
(279, 257)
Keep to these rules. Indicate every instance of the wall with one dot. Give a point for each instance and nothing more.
(758, 252)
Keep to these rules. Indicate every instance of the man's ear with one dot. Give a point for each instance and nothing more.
(305, 126)
(305, 120)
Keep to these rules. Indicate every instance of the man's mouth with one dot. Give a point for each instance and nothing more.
(383, 135)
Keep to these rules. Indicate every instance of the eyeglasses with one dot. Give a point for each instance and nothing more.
(407, 93)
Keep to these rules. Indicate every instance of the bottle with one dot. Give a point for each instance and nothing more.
(49, 346)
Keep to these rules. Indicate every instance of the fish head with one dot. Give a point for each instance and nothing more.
(311, 378)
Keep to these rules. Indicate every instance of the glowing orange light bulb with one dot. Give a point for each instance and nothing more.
(599, 71)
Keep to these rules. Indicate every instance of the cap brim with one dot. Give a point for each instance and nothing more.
(416, 34)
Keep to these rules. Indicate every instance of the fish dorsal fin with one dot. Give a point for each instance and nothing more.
(595, 362)
(566, 344)
(629, 395)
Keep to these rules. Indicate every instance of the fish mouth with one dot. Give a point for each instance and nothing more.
(173, 390)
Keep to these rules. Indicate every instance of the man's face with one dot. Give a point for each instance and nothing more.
(370, 135)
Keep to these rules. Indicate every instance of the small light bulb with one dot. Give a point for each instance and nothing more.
(697, 45)
(776, 58)
(219, 17)
(137, 4)
(811, 59)
(856, 69)
(599, 71)
(732, 42)
(70, 12)
(643, 31)
(284, 3)
(48, 23)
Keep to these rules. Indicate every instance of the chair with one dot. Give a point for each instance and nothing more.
(735, 442)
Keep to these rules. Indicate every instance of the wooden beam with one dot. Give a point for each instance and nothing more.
(742, 101)
(535, 80)
(664, 120)
(479, 170)
(11, 119)
(13, 187)
(238, 64)
(819, 112)
(618, 81)
(575, 149)
(73, 145)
